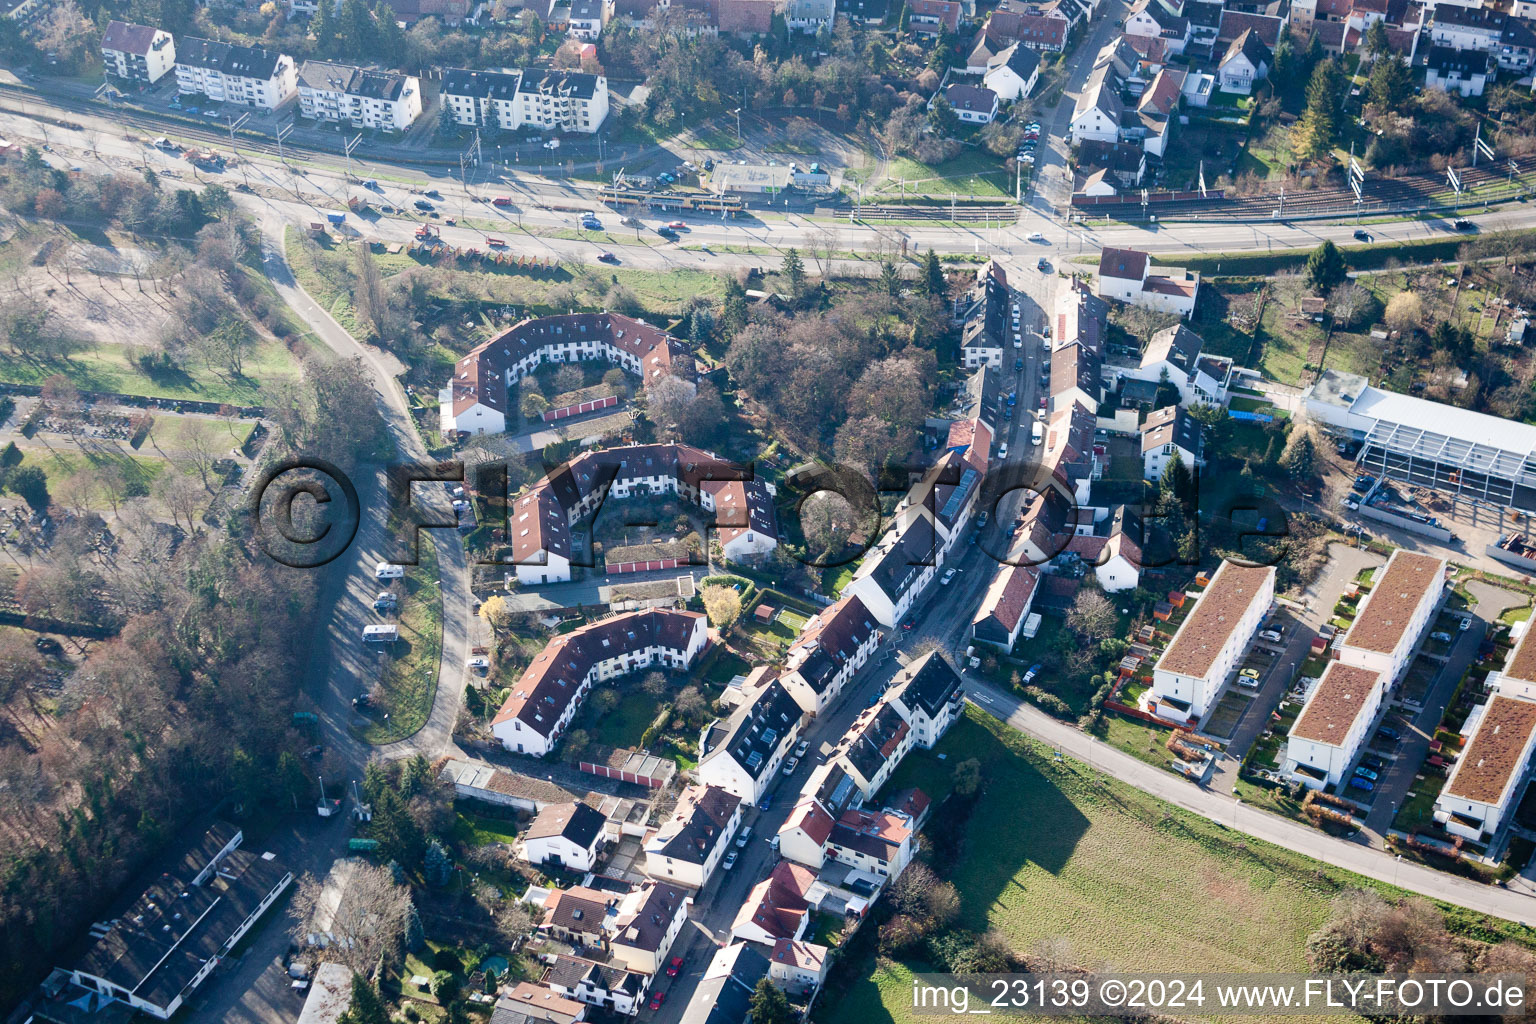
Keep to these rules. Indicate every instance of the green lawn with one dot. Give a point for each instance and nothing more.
(718, 139)
(409, 671)
(108, 368)
(1418, 810)
(625, 724)
(138, 474)
(477, 830)
(972, 173)
(1057, 850)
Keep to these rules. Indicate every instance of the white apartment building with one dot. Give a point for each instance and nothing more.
(137, 53)
(381, 100)
(742, 754)
(549, 100)
(547, 695)
(1394, 614)
(928, 695)
(688, 846)
(1211, 640)
(1336, 720)
(244, 75)
(1489, 776)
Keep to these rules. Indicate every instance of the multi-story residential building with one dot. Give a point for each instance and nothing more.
(778, 907)
(1246, 63)
(245, 75)
(1149, 19)
(692, 841)
(928, 695)
(580, 916)
(1125, 275)
(878, 843)
(724, 994)
(933, 17)
(587, 19)
(381, 100)
(1336, 720)
(546, 696)
(742, 753)
(1467, 28)
(1177, 352)
(829, 651)
(828, 793)
(1005, 606)
(1168, 432)
(877, 741)
(810, 16)
(606, 986)
(1394, 614)
(745, 524)
(137, 53)
(985, 335)
(569, 834)
(548, 100)
(647, 921)
(475, 401)
(899, 568)
(1501, 733)
(1012, 74)
(1467, 72)
(1209, 643)
(1048, 25)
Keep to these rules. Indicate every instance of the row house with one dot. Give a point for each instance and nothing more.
(137, 53)
(248, 76)
(810, 16)
(742, 754)
(380, 100)
(547, 695)
(605, 986)
(1050, 26)
(984, 337)
(834, 645)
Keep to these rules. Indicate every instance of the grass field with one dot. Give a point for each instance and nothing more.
(972, 173)
(108, 368)
(477, 830)
(409, 677)
(1057, 850)
(139, 474)
(625, 724)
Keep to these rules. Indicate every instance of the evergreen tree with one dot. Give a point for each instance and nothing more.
(358, 35)
(1376, 38)
(415, 935)
(769, 1004)
(1315, 52)
(890, 283)
(400, 838)
(794, 270)
(323, 27)
(1285, 59)
(367, 1006)
(933, 275)
(733, 308)
(1390, 82)
(1300, 455)
(1318, 126)
(1326, 268)
(391, 37)
(439, 867)
(1177, 479)
(1189, 548)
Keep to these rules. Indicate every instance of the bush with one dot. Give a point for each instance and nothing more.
(1048, 702)
(444, 987)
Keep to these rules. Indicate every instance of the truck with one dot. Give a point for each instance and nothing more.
(425, 232)
(502, 201)
(336, 217)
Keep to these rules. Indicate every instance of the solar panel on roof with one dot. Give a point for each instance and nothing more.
(957, 497)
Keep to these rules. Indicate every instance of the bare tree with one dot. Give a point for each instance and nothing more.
(1092, 617)
(366, 924)
(181, 498)
(200, 446)
(1347, 302)
(824, 242)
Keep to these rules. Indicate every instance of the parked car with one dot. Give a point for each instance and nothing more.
(1464, 624)
(744, 837)
(949, 574)
(981, 518)
(675, 966)
(1358, 783)
(1441, 636)
(729, 862)
(804, 746)
(657, 1000)
(1387, 732)
(1018, 364)
(767, 800)
(1272, 635)
(479, 661)
(1372, 761)
(791, 765)
(1365, 773)
(387, 571)
(1029, 677)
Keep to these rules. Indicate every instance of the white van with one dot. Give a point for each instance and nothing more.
(388, 571)
(1036, 434)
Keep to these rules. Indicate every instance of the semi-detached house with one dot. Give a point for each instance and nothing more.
(1210, 641)
(568, 834)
